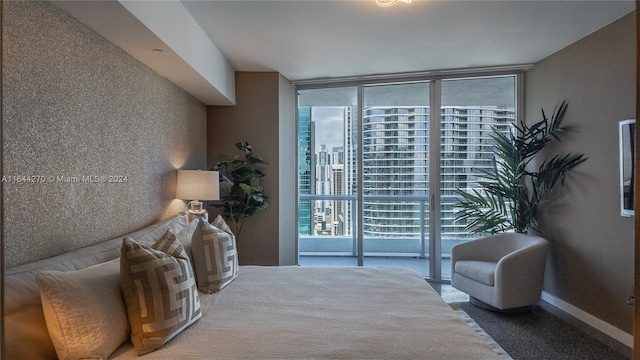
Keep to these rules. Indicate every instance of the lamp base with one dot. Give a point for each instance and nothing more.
(203, 215)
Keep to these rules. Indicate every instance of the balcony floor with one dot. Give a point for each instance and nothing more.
(421, 266)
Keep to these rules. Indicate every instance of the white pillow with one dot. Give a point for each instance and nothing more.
(84, 310)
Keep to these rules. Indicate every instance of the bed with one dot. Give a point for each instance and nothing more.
(274, 313)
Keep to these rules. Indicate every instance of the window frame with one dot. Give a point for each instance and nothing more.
(435, 79)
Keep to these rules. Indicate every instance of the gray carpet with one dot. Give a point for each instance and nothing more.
(546, 333)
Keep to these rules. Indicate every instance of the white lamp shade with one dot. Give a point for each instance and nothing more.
(198, 185)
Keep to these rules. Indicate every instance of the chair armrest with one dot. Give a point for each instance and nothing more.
(482, 249)
(523, 269)
(467, 251)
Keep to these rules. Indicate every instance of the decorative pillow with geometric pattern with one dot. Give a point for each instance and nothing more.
(215, 256)
(159, 289)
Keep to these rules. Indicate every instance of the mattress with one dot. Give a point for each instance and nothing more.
(324, 313)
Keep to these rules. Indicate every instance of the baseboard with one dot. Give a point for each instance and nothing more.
(589, 319)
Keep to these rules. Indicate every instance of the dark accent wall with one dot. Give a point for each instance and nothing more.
(264, 116)
(591, 261)
(255, 119)
(91, 136)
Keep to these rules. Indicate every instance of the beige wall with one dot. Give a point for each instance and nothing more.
(591, 264)
(76, 105)
(256, 119)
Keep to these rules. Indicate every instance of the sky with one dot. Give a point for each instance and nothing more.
(329, 125)
(328, 104)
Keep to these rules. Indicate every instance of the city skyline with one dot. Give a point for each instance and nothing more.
(381, 150)
(409, 174)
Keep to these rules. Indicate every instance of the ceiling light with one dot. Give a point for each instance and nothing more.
(385, 3)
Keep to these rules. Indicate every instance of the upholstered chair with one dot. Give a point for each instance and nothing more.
(500, 272)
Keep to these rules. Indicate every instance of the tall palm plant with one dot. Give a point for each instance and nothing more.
(509, 194)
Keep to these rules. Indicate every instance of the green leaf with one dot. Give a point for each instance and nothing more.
(241, 195)
(509, 195)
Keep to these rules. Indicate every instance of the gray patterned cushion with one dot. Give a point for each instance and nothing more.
(159, 290)
(215, 257)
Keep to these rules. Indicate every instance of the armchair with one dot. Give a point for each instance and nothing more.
(500, 272)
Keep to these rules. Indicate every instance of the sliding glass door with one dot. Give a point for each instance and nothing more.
(395, 175)
(378, 164)
(327, 176)
(470, 110)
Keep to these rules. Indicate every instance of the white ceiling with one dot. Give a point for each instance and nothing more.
(203, 42)
(325, 39)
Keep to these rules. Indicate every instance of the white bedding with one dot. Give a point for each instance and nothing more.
(324, 313)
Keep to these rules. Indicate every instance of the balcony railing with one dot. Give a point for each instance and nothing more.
(407, 237)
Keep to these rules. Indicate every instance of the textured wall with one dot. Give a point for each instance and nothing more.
(591, 260)
(78, 113)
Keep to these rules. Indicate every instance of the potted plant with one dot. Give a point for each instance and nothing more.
(241, 193)
(509, 195)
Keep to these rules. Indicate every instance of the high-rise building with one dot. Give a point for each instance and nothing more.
(396, 163)
(305, 174)
(337, 187)
(466, 148)
(350, 168)
(322, 179)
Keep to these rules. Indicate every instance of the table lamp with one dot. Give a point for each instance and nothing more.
(197, 186)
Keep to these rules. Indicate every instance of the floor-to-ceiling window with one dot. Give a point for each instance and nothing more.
(379, 162)
(327, 175)
(470, 110)
(395, 180)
